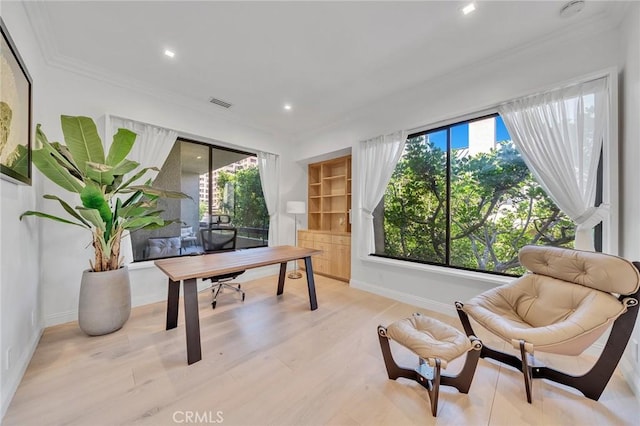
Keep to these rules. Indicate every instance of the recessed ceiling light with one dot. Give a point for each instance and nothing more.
(571, 8)
(469, 8)
(287, 107)
(169, 53)
(198, 157)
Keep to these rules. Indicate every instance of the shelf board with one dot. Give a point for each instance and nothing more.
(329, 196)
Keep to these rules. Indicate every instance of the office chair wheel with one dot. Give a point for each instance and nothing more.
(239, 286)
(213, 304)
(243, 297)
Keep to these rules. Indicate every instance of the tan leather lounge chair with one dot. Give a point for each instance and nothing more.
(567, 300)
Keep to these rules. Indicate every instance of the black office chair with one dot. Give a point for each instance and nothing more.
(216, 240)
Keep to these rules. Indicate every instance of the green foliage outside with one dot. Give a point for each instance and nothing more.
(496, 207)
(248, 208)
(224, 205)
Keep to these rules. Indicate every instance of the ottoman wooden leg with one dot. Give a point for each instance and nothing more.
(394, 371)
(428, 374)
(462, 381)
(430, 377)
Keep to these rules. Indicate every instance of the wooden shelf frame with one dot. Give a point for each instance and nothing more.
(329, 196)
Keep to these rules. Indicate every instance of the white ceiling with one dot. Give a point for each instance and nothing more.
(325, 58)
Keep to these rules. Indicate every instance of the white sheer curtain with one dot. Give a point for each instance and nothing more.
(377, 159)
(269, 168)
(152, 146)
(560, 136)
(151, 149)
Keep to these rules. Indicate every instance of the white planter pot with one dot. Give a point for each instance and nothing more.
(105, 301)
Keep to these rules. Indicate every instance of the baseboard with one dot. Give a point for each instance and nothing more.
(60, 318)
(161, 295)
(440, 307)
(16, 374)
(410, 299)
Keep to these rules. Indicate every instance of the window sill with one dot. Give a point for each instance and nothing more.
(147, 264)
(442, 270)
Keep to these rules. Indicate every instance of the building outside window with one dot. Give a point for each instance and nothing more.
(462, 196)
(225, 190)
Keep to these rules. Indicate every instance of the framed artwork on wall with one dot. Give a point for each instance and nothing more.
(15, 113)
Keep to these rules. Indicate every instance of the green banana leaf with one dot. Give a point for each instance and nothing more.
(48, 216)
(93, 216)
(157, 192)
(133, 211)
(104, 174)
(93, 198)
(142, 222)
(135, 177)
(66, 160)
(99, 173)
(121, 146)
(83, 141)
(49, 166)
(67, 208)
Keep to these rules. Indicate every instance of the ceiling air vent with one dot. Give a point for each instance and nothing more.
(220, 102)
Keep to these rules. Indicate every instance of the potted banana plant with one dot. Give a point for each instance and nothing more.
(111, 202)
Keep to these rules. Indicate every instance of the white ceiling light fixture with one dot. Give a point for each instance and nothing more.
(169, 53)
(571, 8)
(469, 8)
(287, 107)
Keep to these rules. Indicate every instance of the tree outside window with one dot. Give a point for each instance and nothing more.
(462, 196)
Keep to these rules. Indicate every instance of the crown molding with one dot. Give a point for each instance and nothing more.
(40, 22)
(603, 22)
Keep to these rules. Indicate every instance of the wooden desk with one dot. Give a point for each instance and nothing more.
(189, 268)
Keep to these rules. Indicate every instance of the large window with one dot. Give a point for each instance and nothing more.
(462, 196)
(225, 190)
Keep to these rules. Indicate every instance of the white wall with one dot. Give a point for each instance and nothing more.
(473, 89)
(464, 91)
(20, 301)
(42, 261)
(64, 255)
(629, 173)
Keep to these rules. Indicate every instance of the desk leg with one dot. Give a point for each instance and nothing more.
(172, 304)
(283, 273)
(311, 283)
(192, 321)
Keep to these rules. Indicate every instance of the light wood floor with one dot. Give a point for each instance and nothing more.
(271, 361)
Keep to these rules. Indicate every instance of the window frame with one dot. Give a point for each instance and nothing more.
(599, 233)
(211, 147)
(141, 263)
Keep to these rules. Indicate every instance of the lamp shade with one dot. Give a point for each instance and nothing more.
(296, 207)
